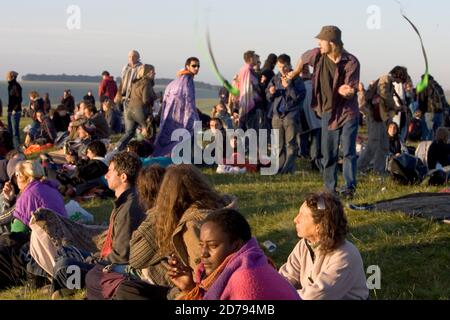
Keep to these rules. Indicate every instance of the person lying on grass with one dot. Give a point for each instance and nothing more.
(324, 265)
(233, 266)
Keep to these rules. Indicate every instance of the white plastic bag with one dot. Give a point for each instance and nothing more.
(78, 214)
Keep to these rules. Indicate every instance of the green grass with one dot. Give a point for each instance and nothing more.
(412, 253)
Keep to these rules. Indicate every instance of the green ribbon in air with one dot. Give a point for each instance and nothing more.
(425, 79)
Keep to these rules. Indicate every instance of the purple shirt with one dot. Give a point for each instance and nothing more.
(39, 195)
(347, 72)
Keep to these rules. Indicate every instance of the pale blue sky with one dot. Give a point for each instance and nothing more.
(34, 37)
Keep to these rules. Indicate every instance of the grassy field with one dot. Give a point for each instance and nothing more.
(413, 254)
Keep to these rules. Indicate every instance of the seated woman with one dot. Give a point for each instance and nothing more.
(35, 192)
(185, 199)
(396, 146)
(233, 266)
(439, 151)
(112, 115)
(324, 265)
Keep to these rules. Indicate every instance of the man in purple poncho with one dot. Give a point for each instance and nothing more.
(178, 109)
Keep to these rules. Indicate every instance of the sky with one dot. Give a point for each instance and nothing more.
(35, 38)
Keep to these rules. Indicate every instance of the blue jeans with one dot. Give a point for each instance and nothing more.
(134, 117)
(13, 127)
(34, 130)
(331, 140)
(432, 122)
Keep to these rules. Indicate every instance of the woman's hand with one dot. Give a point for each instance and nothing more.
(180, 275)
(8, 191)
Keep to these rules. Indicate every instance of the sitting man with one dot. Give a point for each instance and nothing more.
(76, 150)
(126, 217)
(97, 119)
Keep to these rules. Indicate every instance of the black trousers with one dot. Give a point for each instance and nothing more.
(13, 270)
(140, 290)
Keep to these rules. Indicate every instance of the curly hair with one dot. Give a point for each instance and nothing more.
(331, 219)
(148, 184)
(183, 187)
(129, 164)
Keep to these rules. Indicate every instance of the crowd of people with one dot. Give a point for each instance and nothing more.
(171, 235)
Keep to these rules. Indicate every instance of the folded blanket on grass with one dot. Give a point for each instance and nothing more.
(434, 206)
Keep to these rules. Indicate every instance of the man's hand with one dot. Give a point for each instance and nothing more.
(272, 90)
(70, 159)
(346, 91)
(263, 79)
(285, 82)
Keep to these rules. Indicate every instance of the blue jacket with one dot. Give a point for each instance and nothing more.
(292, 97)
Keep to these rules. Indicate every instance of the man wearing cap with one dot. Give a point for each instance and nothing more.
(14, 106)
(335, 83)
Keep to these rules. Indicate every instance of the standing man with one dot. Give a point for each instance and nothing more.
(179, 109)
(129, 74)
(139, 105)
(68, 101)
(286, 97)
(336, 79)
(89, 97)
(249, 89)
(14, 107)
(108, 87)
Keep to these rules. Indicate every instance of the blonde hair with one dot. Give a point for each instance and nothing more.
(31, 170)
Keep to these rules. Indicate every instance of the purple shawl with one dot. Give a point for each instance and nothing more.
(39, 195)
(178, 112)
(247, 82)
(248, 275)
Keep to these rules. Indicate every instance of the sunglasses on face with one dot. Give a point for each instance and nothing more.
(195, 66)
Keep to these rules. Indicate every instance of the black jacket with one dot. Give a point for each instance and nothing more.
(69, 103)
(15, 96)
(126, 217)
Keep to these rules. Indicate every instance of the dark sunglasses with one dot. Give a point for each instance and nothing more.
(195, 66)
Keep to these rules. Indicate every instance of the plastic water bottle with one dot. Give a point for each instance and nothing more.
(270, 246)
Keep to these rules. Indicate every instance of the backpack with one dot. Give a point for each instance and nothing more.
(373, 100)
(435, 103)
(415, 130)
(406, 169)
